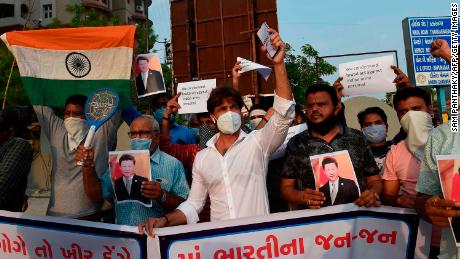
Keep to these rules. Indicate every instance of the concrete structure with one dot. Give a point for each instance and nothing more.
(14, 13)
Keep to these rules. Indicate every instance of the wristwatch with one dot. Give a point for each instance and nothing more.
(163, 197)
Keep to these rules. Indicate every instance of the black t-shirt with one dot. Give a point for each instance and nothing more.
(380, 153)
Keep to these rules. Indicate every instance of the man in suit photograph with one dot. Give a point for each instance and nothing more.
(148, 80)
(128, 187)
(337, 190)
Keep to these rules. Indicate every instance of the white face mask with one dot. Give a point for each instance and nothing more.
(253, 123)
(417, 125)
(76, 131)
(229, 122)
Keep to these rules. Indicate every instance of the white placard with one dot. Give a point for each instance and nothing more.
(367, 76)
(194, 95)
(291, 133)
(264, 36)
(247, 65)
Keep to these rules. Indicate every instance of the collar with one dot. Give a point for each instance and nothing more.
(335, 182)
(212, 142)
(155, 157)
(128, 178)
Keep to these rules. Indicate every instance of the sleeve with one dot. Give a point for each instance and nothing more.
(428, 180)
(292, 161)
(197, 196)
(388, 169)
(130, 113)
(107, 187)
(270, 137)
(368, 165)
(49, 122)
(179, 185)
(184, 153)
(14, 167)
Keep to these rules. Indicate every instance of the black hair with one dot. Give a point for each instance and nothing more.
(405, 93)
(329, 160)
(202, 115)
(126, 157)
(224, 92)
(76, 99)
(139, 58)
(323, 88)
(371, 110)
(157, 97)
(299, 110)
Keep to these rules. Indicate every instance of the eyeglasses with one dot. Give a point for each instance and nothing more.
(140, 133)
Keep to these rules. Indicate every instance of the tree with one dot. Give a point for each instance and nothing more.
(301, 69)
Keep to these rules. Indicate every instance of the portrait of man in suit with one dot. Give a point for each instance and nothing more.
(128, 187)
(148, 81)
(337, 190)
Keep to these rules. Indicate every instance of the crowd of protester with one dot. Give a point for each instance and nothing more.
(218, 168)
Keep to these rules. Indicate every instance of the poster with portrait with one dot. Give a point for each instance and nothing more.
(128, 169)
(148, 75)
(449, 176)
(335, 177)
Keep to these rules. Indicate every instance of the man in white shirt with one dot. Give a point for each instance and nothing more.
(233, 168)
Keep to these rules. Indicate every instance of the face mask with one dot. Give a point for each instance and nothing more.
(253, 123)
(417, 125)
(375, 133)
(229, 122)
(206, 133)
(324, 127)
(158, 114)
(195, 132)
(76, 131)
(140, 143)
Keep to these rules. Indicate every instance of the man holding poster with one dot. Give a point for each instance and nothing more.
(233, 167)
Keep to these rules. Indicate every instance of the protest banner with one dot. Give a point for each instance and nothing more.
(291, 133)
(367, 76)
(247, 65)
(343, 231)
(57, 63)
(194, 95)
(24, 236)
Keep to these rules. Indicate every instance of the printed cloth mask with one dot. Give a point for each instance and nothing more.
(206, 133)
(76, 131)
(375, 133)
(417, 125)
(140, 143)
(229, 122)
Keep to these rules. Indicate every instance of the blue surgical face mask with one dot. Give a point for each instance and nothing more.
(159, 113)
(375, 133)
(140, 143)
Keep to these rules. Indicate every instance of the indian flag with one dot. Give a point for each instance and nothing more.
(57, 63)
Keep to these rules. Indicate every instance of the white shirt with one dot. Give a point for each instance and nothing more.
(334, 186)
(236, 182)
(145, 76)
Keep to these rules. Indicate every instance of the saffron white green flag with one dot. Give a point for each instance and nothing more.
(57, 63)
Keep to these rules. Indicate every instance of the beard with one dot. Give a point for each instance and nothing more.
(323, 127)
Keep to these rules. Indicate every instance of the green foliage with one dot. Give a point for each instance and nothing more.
(167, 77)
(144, 34)
(301, 69)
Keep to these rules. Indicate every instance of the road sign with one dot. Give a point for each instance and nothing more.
(423, 69)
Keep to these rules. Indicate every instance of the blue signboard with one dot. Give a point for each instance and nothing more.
(428, 71)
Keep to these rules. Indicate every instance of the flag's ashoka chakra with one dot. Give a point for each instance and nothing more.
(77, 64)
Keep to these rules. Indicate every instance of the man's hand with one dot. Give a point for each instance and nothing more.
(440, 48)
(150, 224)
(85, 156)
(406, 201)
(277, 43)
(368, 199)
(339, 89)
(236, 69)
(151, 190)
(172, 106)
(401, 80)
(439, 210)
(313, 199)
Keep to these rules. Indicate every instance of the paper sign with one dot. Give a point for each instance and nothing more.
(264, 36)
(247, 65)
(367, 76)
(194, 95)
(291, 133)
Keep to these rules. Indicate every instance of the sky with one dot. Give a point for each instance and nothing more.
(334, 26)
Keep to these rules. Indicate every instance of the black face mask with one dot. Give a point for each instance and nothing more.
(324, 127)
